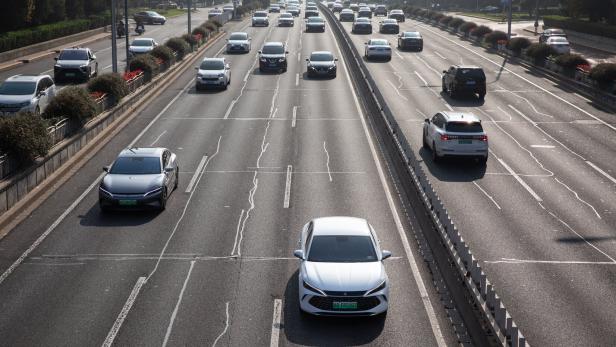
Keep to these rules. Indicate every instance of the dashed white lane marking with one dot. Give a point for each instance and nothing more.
(397, 90)
(598, 169)
(421, 78)
(297, 79)
(158, 138)
(294, 117)
(583, 97)
(438, 73)
(488, 195)
(518, 178)
(226, 325)
(449, 107)
(440, 55)
(329, 172)
(196, 174)
(124, 312)
(276, 327)
(107, 67)
(543, 146)
(425, 298)
(177, 304)
(399, 55)
(287, 187)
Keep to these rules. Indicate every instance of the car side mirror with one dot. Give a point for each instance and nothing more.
(286, 52)
(56, 58)
(196, 68)
(298, 253)
(106, 168)
(259, 52)
(227, 67)
(169, 169)
(93, 57)
(444, 71)
(385, 255)
(427, 120)
(335, 59)
(307, 59)
(42, 93)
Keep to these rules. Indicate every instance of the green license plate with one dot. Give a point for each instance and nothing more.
(344, 305)
(128, 202)
(465, 142)
(70, 74)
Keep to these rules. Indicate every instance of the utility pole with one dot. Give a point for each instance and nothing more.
(510, 15)
(189, 28)
(536, 16)
(114, 33)
(126, 29)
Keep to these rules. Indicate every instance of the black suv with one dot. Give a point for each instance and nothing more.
(470, 80)
(273, 57)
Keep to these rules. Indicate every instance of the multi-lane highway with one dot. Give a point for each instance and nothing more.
(540, 216)
(257, 162)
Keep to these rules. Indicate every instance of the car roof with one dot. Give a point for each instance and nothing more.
(213, 59)
(460, 116)
(76, 49)
(340, 226)
(260, 12)
(362, 19)
(142, 152)
(273, 43)
(397, 11)
(25, 78)
(347, 10)
(468, 67)
(373, 41)
(322, 52)
(390, 20)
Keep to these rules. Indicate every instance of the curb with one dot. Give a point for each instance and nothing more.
(20, 210)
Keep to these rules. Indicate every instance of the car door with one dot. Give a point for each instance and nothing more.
(433, 129)
(42, 92)
(168, 175)
(92, 62)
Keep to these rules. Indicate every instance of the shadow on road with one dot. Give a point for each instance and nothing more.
(95, 217)
(451, 169)
(326, 331)
(468, 101)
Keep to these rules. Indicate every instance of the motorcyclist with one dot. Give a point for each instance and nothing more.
(139, 28)
(120, 28)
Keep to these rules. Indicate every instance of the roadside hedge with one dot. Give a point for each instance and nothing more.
(604, 73)
(456, 22)
(164, 53)
(24, 137)
(445, 20)
(109, 83)
(144, 62)
(200, 31)
(178, 45)
(190, 39)
(570, 61)
(209, 26)
(517, 44)
(539, 51)
(495, 36)
(591, 28)
(481, 31)
(72, 102)
(467, 27)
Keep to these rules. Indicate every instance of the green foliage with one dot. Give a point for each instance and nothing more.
(599, 29)
(200, 31)
(190, 39)
(24, 137)
(456, 22)
(481, 31)
(517, 44)
(178, 45)
(445, 20)
(437, 16)
(209, 26)
(110, 83)
(164, 53)
(539, 51)
(145, 63)
(73, 103)
(604, 73)
(466, 27)
(216, 22)
(495, 36)
(570, 61)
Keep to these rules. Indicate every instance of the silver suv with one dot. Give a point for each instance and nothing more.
(455, 134)
(28, 93)
(75, 63)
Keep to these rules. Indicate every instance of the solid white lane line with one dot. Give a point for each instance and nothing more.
(122, 316)
(297, 79)
(229, 108)
(558, 262)
(583, 97)
(425, 298)
(421, 78)
(287, 187)
(158, 138)
(299, 56)
(518, 178)
(440, 55)
(294, 119)
(276, 327)
(543, 146)
(177, 304)
(449, 107)
(329, 172)
(196, 174)
(488, 195)
(226, 325)
(598, 169)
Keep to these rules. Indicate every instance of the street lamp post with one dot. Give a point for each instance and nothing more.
(509, 18)
(189, 28)
(114, 33)
(126, 29)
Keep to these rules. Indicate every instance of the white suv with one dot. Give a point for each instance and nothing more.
(28, 93)
(455, 134)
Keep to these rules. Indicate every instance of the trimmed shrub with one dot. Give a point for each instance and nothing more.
(209, 26)
(570, 61)
(178, 45)
(190, 39)
(517, 44)
(144, 62)
(216, 22)
(604, 73)
(73, 103)
(456, 22)
(466, 27)
(110, 83)
(445, 20)
(495, 36)
(200, 31)
(437, 16)
(481, 31)
(163, 53)
(539, 51)
(24, 137)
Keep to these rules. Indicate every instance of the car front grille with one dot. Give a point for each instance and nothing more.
(326, 303)
(337, 293)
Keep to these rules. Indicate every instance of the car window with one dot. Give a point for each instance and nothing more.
(315, 20)
(411, 34)
(321, 57)
(166, 156)
(378, 42)
(73, 54)
(464, 127)
(47, 82)
(238, 37)
(212, 65)
(260, 14)
(309, 236)
(136, 166)
(342, 249)
(471, 73)
(17, 88)
(142, 43)
(273, 50)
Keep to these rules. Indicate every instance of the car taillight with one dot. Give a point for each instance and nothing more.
(444, 137)
(483, 138)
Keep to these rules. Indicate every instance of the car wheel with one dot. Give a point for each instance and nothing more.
(177, 178)
(482, 97)
(435, 157)
(423, 140)
(163, 200)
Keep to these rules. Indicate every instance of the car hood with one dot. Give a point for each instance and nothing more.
(321, 63)
(131, 184)
(210, 73)
(344, 276)
(141, 49)
(237, 42)
(72, 63)
(15, 99)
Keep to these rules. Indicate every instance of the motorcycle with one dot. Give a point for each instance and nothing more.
(139, 29)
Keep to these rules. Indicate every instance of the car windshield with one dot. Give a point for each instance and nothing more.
(390, 21)
(464, 127)
(153, 14)
(272, 50)
(136, 166)
(212, 65)
(311, 8)
(142, 43)
(342, 249)
(378, 42)
(238, 37)
(321, 57)
(260, 14)
(315, 20)
(286, 15)
(471, 73)
(73, 54)
(411, 34)
(558, 40)
(362, 20)
(17, 88)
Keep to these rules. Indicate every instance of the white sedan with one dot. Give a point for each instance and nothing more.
(213, 72)
(341, 271)
(377, 49)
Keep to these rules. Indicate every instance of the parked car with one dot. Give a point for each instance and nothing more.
(455, 134)
(559, 44)
(149, 17)
(410, 40)
(380, 10)
(141, 46)
(139, 178)
(346, 15)
(273, 57)
(315, 24)
(321, 63)
(469, 80)
(26, 93)
(397, 15)
(341, 271)
(75, 64)
(377, 49)
(213, 72)
(490, 9)
(389, 26)
(362, 26)
(364, 12)
(547, 33)
(238, 42)
(260, 18)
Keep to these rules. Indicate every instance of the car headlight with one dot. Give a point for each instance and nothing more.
(312, 289)
(221, 75)
(263, 60)
(378, 288)
(154, 191)
(281, 60)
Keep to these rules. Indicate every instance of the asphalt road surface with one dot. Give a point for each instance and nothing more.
(216, 268)
(540, 216)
